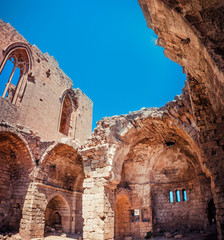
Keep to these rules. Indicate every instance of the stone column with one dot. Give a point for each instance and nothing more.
(32, 223)
(98, 198)
(98, 213)
(218, 193)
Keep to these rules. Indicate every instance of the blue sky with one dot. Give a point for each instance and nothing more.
(104, 46)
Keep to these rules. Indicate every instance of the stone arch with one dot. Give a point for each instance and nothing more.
(192, 36)
(175, 170)
(15, 47)
(71, 94)
(62, 195)
(21, 56)
(60, 163)
(69, 105)
(61, 170)
(73, 144)
(137, 149)
(16, 166)
(153, 127)
(58, 214)
(10, 130)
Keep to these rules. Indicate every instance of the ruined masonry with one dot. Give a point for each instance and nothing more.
(151, 171)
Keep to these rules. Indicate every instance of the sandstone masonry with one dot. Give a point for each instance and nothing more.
(150, 171)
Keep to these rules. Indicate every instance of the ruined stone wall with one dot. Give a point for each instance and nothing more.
(83, 119)
(182, 216)
(138, 155)
(42, 199)
(98, 198)
(30, 190)
(192, 34)
(78, 213)
(39, 105)
(16, 165)
(139, 216)
(6, 192)
(140, 143)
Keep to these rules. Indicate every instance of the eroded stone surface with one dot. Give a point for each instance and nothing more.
(145, 173)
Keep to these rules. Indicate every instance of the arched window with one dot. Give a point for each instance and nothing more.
(178, 196)
(171, 196)
(184, 195)
(15, 65)
(66, 116)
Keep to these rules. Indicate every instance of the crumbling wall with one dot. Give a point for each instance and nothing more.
(180, 216)
(83, 116)
(134, 143)
(192, 34)
(39, 105)
(28, 182)
(16, 165)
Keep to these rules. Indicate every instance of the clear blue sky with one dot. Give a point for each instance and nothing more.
(104, 46)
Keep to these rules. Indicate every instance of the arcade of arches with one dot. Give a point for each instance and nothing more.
(152, 171)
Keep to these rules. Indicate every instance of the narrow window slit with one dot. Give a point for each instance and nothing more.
(184, 194)
(171, 196)
(178, 196)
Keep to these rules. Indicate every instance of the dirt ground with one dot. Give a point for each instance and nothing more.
(189, 236)
(60, 238)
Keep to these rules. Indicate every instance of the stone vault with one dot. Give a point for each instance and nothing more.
(158, 170)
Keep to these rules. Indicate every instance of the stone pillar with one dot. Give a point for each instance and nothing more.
(218, 193)
(98, 198)
(32, 223)
(73, 214)
(98, 213)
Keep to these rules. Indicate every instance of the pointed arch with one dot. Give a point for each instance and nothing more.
(58, 213)
(16, 164)
(21, 57)
(66, 114)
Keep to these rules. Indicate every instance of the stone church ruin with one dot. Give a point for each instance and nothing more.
(152, 170)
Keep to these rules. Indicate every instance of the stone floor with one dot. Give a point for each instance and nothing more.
(189, 236)
(52, 237)
(60, 238)
(192, 236)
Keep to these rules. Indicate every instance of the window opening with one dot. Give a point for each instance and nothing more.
(9, 78)
(178, 195)
(171, 196)
(4, 76)
(11, 73)
(66, 116)
(184, 194)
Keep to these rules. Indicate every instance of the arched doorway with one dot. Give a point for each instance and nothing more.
(61, 173)
(15, 167)
(211, 212)
(122, 217)
(57, 216)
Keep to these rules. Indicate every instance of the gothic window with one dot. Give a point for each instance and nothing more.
(66, 116)
(14, 67)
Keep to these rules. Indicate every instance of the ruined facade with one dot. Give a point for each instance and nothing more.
(158, 170)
